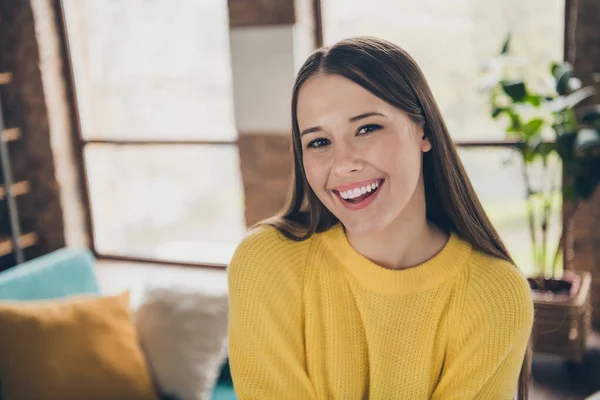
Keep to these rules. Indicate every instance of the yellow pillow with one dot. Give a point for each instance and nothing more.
(79, 348)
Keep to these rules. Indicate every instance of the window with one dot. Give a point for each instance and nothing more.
(450, 39)
(153, 88)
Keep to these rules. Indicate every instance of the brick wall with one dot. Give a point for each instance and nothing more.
(261, 12)
(37, 102)
(25, 107)
(583, 51)
(266, 164)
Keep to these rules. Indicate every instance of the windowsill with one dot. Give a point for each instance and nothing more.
(212, 254)
(119, 276)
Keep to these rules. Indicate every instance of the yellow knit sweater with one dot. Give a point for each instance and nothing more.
(317, 320)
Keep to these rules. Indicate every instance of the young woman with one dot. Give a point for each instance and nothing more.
(384, 278)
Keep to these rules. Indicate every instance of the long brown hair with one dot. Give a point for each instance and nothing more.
(391, 74)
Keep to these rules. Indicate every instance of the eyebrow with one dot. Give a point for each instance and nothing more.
(351, 119)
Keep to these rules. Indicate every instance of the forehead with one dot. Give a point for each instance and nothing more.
(333, 96)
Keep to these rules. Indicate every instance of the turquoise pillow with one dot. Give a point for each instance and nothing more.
(62, 273)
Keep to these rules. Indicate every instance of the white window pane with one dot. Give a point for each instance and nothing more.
(182, 203)
(501, 190)
(450, 39)
(152, 69)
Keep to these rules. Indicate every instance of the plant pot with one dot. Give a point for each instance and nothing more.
(563, 314)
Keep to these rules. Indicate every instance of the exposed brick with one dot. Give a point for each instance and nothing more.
(25, 107)
(266, 164)
(261, 12)
(586, 245)
(583, 44)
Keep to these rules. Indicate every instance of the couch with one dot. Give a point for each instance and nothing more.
(69, 272)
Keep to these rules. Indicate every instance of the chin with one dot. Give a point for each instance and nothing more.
(362, 226)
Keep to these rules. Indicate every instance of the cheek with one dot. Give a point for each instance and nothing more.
(399, 159)
(315, 173)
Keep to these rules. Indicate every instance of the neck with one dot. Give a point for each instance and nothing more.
(408, 241)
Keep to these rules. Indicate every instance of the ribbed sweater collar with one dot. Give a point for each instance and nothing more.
(445, 264)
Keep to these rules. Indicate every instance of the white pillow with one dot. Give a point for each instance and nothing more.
(183, 331)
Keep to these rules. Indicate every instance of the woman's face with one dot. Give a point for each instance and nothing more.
(362, 156)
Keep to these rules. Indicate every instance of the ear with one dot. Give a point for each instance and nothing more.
(424, 143)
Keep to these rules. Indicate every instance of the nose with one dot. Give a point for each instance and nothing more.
(346, 160)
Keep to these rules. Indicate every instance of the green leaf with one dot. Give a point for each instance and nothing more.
(529, 151)
(564, 145)
(562, 74)
(515, 120)
(534, 144)
(568, 191)
(506, 45)
(497, 111)
(544, 149)
(528, 155)
(574, 84)
(584, 170)
(587, 142)
(591, 168)
(532, 128)
(584, 186)
(561, 103)
(559, 68)
(591, 115)
(579, 95)
(515, 89)
(534, 100)
(595, 168)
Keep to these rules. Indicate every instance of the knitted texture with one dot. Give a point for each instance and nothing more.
(317, 320)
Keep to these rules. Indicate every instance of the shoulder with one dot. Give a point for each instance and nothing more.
(496, 291)
(267, 243)
(265, 253)
(490, 273)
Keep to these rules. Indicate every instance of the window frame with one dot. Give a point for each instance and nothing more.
(81, 142)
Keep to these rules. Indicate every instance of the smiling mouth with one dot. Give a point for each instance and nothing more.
(358, 195)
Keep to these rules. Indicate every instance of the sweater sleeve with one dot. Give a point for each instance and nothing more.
(493, 325)
(266, 345)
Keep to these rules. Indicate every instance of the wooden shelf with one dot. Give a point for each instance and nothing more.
(5, 78)
(26, 240)
(18, 189)
(12, 134)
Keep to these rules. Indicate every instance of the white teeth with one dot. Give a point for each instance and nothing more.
(353, 193)
(349, 194)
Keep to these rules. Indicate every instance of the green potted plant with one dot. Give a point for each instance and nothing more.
(549, 127)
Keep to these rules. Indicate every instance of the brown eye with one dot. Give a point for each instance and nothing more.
(365, 130)
(318, 143)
